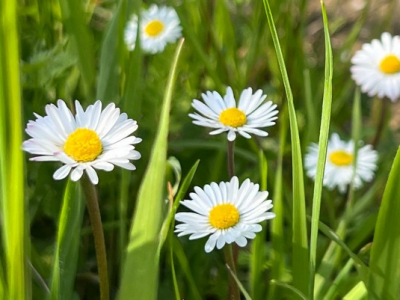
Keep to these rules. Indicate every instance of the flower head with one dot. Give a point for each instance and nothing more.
(339, 168)
(158, 26)
(223, 114)
(226, 212)
(376, 67)
(92, 139)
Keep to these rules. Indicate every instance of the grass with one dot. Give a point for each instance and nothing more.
(321, 245)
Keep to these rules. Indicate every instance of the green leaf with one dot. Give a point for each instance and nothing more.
(299, 239)
(140, 272)
(16, 283)
(383, 281)
(67, 246)
(358, 292)
(322, 149)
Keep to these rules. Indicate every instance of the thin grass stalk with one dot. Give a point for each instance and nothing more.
(233, 291)
(323, 146)
(92, 204)
(15, 238)
(299, 225)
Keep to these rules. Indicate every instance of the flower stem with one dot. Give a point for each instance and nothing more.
(231, 159)
(97, 228)
(234, 293)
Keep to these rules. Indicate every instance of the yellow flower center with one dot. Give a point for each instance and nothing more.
(224, 216)
(390, 64)
(341, 158)
(154, 28)
(83, 145)
(232, 117)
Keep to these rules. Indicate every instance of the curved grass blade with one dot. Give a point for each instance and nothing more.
(14, 229)
(141, 263)
(322, 149)
(66, 253)
(299, 226)
(295, 291)
(166, 227)
(383, 282)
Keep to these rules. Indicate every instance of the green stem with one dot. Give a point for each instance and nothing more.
(234, 293)
(97, 228)
(231, 159)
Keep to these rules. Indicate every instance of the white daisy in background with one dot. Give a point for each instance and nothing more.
(376, 67)
(158, 26)
(224, 115)
(92, 139)
(226, 212)
(339, 168)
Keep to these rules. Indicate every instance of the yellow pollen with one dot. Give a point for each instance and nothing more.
(224, 216)
(390, 64)
(232, 117)
(83, 145)
(341, 158)
(154, 28)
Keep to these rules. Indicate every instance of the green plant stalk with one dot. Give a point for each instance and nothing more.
(141, 261)
(323, 145)
(299, 225)
(92, 204)
(231, 159)
(234, 293)
(16, 284)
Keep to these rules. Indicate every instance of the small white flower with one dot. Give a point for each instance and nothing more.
(158, 26)
(246, 118)
(376, 67)
(92, 139)
(226, 212)
(339, 168)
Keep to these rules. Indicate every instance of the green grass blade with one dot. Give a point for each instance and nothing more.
(179, 196)
(257, 257)
(67, 247)
(322, 149)
(13, 213)
(295, 291)
(383, 281)
(140, 273)
(240, 285)
(358, 292)
(299, 239)
(82, 41)
(277, 232)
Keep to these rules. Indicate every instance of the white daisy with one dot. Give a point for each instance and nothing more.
(226, 212)
(246, 118)
(92, 139)
(158, 26)
(376, 67)
(339, 168)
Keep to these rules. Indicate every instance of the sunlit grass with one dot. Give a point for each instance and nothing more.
(322, 244)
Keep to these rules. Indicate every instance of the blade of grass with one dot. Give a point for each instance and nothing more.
(322, 149)
(81, 38)
(67, 245)
(141, 263)
(358, 292)
(277, 233)
(385, 251)
(169, 221)
(257, 258)
(295, 291)
(299, 226)
(240, 285)
(13, 213)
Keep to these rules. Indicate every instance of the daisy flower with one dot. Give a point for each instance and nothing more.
(226, 212)
(224, 115)
(92, 139)
(158, 26)
(376, 67)
(339, 168)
